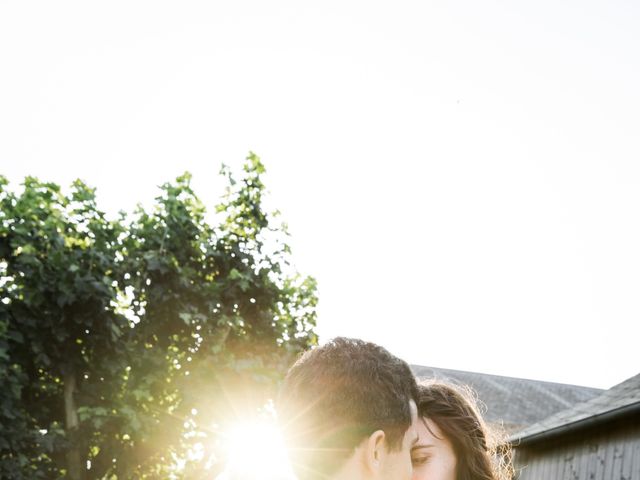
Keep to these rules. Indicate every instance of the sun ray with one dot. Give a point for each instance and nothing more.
(256, 450)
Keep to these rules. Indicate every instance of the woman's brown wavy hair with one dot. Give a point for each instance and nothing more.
(481, 452)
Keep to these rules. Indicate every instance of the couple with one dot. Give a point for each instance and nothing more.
(352, 411)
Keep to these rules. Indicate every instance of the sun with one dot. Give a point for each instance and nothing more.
(256, 451)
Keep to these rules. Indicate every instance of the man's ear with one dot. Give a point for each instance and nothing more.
(374, 450)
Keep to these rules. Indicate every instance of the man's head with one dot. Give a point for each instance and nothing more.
(349, 404)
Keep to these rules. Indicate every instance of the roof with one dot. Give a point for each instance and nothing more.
(618, 401)
(515, 403)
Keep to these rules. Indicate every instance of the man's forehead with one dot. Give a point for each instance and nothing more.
(414, 410)
(412, 432)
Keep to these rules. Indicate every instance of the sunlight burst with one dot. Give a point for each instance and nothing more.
(256, 450)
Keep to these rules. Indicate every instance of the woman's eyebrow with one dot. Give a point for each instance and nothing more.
(422, 445)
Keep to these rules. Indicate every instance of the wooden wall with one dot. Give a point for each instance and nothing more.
(610, 452)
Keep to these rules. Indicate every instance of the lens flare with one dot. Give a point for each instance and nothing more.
(256, 450)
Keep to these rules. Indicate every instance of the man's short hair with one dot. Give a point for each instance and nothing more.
(338, 394)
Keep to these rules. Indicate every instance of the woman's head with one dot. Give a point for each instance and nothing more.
(455, 443)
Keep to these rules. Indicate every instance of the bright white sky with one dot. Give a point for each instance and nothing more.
(463, 178)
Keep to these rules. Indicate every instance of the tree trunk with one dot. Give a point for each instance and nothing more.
(75, 470)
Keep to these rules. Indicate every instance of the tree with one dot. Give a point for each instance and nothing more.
(129, 341)
(58, 254)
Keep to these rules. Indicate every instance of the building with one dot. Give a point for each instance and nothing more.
(598, 439)
(514, 403)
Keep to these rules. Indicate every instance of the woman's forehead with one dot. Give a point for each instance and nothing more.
(429, 431)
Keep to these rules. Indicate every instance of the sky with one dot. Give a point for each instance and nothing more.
(462, 178)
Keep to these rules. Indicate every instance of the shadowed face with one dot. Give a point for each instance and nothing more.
(432, 456)
(397, 464)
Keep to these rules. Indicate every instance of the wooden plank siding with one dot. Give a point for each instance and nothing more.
(610, 452)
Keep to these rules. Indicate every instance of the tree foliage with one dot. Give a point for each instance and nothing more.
(126, 344)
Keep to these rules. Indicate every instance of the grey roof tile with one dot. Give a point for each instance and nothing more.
(514, 402)
(620, 396)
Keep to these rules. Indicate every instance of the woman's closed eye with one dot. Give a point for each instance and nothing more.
(417, 460)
